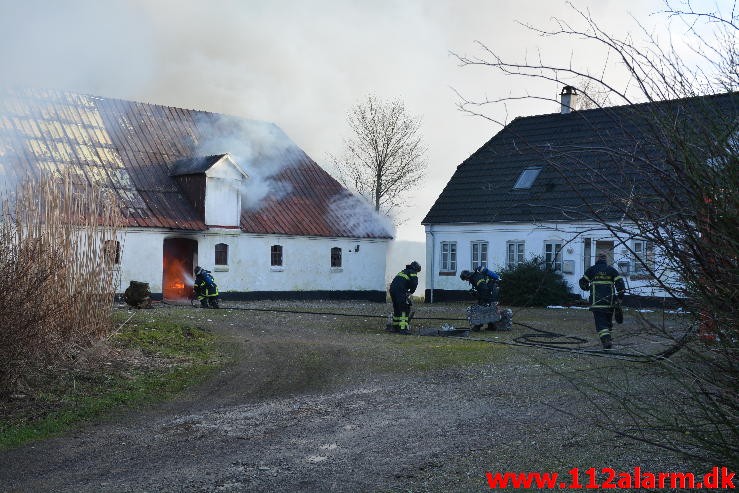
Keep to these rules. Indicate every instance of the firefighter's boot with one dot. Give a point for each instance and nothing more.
(606, 341)
(403, 324)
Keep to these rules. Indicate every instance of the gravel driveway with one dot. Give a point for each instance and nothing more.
(329, 403)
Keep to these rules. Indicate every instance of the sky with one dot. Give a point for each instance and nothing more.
(303, 64)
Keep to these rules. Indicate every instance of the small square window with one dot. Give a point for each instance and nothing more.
(527, 178)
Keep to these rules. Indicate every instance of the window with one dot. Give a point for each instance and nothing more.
(526, 178)
(479, 253)
(515, 254)
(642, 261)
(221, 254)
(336, 257)
(448, 256)
(112, 251)
(553, 256)
(276, 255)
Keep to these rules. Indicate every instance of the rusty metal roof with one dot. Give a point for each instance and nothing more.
(131, 147)
(193, 165)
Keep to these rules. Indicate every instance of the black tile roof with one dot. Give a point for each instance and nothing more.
(573, 150)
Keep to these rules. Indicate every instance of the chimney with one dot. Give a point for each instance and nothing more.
(568, 98)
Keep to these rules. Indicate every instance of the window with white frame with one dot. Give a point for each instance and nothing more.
(515, 253)
(448, 256)
(553, 255)
(642, 260)
(479, 253)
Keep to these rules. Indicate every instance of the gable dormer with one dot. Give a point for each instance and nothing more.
(213, 184)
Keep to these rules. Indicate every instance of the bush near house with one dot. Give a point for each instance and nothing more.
(530, 284)
(60, 280)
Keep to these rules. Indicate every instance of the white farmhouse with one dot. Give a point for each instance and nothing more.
(234, 196)
(535, 187)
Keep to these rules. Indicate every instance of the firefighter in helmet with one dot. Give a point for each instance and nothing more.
(606, 288)
(484, 284)
(206, 288)
(403, 286)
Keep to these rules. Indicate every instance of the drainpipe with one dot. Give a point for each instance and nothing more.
(430, 266)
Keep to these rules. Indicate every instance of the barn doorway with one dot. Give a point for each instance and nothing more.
(179, 259)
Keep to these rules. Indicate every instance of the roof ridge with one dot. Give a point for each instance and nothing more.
(619, 107)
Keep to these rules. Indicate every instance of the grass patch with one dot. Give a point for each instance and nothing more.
(431, 353)
(168, 339)
(145, 362)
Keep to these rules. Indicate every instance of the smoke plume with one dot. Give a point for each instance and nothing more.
(262, 150)
(359, 217)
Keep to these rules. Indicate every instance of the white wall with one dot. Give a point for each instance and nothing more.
(306, 261)
(223, 182)
(400, 254)
(572, 237)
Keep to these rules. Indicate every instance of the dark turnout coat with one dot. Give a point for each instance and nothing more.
(205, 285)
(405, 281)
(605, 285)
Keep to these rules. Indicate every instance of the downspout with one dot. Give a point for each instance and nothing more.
(430, 266)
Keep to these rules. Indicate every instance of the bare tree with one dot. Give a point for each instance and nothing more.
(384, 158)
(676, 186)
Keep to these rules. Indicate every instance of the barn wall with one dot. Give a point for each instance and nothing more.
(306, 261)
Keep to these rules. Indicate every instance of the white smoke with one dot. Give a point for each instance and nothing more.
(359, 217)
(260, 148)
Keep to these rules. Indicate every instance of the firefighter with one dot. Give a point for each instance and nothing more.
(485, 286)
(403, 286)
(206, 288)
(606, 288)
(484, 270)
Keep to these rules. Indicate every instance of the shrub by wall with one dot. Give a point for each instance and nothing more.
(530, 284)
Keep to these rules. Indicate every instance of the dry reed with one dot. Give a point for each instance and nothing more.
(57, 256)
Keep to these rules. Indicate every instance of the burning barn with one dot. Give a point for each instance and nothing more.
(235, 196)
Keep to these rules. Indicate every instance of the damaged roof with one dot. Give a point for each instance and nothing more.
(194, 165)
(137, 149)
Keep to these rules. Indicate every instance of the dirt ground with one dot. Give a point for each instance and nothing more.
(332, 403)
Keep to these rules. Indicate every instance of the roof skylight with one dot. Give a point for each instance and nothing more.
(527, 178)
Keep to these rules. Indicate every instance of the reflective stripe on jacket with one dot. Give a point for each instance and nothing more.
(604, 284)
(405, 281)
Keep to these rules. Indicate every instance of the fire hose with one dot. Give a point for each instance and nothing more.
(541, 339)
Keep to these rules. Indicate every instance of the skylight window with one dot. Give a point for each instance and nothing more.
(527, 178)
